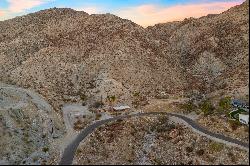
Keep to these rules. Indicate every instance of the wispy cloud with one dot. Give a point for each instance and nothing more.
(18, 6)
(151, 14)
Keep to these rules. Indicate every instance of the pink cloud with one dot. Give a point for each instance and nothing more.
(1, 13)
(149, 14)
(17, 6)
(146, 9)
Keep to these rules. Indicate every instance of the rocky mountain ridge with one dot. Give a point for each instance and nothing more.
(62, 52)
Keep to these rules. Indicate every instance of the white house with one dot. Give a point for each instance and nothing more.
(121, 108)
(244, 119)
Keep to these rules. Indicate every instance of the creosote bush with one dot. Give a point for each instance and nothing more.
(234, 124)
(207, 107)
(97, 104)
(216, 147)
(224, 103)
(189, 107)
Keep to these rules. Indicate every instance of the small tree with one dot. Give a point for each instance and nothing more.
(225, 103)
(111, 100)
(207, 107)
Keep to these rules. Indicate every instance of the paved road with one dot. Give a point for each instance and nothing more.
(69, 152)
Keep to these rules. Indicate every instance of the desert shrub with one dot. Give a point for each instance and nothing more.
(97, 104)
(189, 107)
(224, 103)
(98, 116)
(161, 96)
(139, 100)
(119, 120)
(216, 147)
(35, 159)
(234, 124)
(189, 149)
(200, 152)
(219, 111)
(78, 125)
(163, 119)
(162, 124)
(78, 151)
(44, 135)
(111, 98)
(232, 157)
(43, 162)
(207, 107)
(136, 94)
(45, 149)
(158, 161)
(82, 95)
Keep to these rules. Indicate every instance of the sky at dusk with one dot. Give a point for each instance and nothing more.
(142, 12)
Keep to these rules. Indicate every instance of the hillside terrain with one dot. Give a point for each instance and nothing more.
(62, 52)
(29, 127)
(61, 58)
(154, 141)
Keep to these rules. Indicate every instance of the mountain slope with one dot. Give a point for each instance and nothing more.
(62, 52)
(212, 49)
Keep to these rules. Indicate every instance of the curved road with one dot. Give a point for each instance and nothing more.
(69, 151)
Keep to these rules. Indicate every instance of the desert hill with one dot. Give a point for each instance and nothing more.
(62, 53)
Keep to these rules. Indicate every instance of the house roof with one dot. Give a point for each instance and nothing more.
(238, 103)
(120, 108)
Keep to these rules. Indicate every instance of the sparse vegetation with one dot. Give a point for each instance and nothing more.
(225, 103)
(162, 124)
(207, 107)
(158, 161)
(163, 119)
(62, 52)
(216, 147)
(78, 125)
(189, 107)
(45, 149)
(189, 149)
(97, 104)
(161, 96)
(78, 151)
(232, 157)
(83, 97)
(98, 116)
(136, 94)
(119, 120)
(200, 152)
(35, 159)
(139, 100)
(111, 100)
(44, 136)
(234, 124)
(223, 106)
